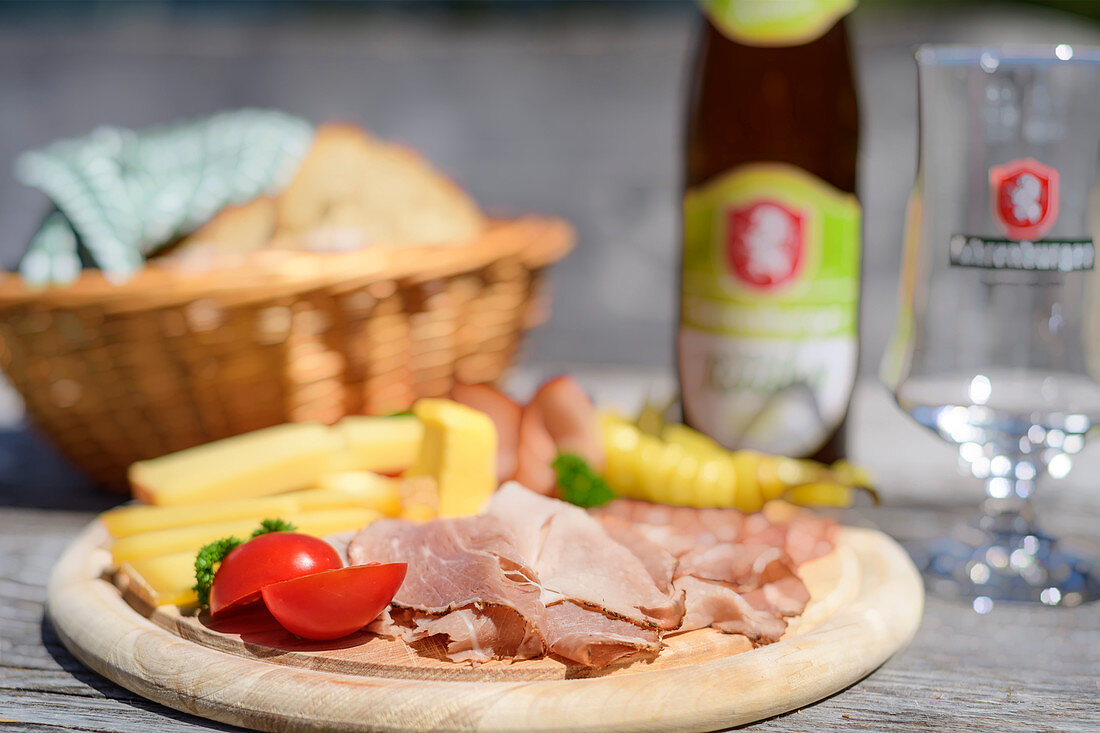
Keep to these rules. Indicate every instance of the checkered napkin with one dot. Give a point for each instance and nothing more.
(121, 194)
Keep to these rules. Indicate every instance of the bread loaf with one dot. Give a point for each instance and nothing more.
(350, 191)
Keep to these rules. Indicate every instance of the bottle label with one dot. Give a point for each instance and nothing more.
(775, 22)
(768, 338)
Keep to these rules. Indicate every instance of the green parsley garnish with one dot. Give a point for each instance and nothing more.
(211, 555)
(578, 483)
(274, 525)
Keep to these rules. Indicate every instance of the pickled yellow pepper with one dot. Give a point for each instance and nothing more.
(682, 466)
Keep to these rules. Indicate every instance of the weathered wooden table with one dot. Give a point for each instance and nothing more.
(1013, 669)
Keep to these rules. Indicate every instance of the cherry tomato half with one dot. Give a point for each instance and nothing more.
(334, 603)
(269, 558)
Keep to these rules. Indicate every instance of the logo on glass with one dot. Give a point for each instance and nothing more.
(1024, 197)
(765, 244)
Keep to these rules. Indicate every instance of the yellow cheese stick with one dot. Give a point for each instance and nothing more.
(169, 579)
(162, 579)
(356, 489)
(260, 463)
(369, 490)
(181, 539)
(459, 451)
(382, 444)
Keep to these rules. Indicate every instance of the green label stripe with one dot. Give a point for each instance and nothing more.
(775, 22)
(820, 300)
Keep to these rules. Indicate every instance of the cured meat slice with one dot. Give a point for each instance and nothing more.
(593, 639)
(576, 560)
(470, 634)
(478, 635)
(678, 528)
(658, 562)
(467, 566)
(739, 564)
(717, 604)
(471, 587)
(453, 563)
(734, 569)
(766, 576)
(535, 575)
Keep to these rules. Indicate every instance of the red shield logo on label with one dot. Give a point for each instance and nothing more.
(764, 243)
(1024, 197)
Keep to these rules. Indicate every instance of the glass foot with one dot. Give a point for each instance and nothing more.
(989, 560)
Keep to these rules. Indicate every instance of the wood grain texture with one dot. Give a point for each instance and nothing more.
(867, 605)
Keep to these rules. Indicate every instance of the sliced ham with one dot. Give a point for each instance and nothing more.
(678, 529)
(765, 575)
(739, 572)
(535, 576)
(658, 562)
(593, 639)
(801, 534)
(467, 634)
(576, 560)
(453, 563)
(466, 582)
(718, 604)
(479, 634)
(478, 590)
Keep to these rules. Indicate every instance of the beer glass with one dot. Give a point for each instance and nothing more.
(994, 348)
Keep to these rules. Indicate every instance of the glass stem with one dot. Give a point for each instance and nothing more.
(1007, 508)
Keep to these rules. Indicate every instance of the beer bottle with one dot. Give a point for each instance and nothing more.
(768, 345)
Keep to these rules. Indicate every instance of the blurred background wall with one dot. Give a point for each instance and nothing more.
(559, 107)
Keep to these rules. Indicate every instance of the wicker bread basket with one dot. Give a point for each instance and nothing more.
(120, 373)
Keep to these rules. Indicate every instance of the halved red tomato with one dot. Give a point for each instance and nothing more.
(334, 603)
(269, 558)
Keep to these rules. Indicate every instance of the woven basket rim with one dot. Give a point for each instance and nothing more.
(536, 241)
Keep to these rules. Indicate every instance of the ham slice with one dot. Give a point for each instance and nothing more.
(453, 563)
(535, 576)
(658, 562)
(718, 604)
(593, 639)
(467, 629)
(577, 560)
(467, 568)
(738, 572)
(678, 529)
(477, 589)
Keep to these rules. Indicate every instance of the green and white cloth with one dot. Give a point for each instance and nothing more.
(121, 194)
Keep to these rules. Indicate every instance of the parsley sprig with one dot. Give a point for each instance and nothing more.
(578, 483)
(211, 555)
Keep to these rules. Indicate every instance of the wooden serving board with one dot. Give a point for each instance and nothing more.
(866, 603)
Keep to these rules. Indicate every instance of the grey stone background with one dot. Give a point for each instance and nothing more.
(572, 109)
